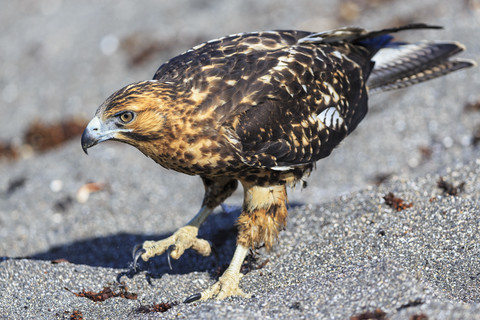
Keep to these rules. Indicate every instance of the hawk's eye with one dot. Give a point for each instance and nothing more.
(126, 117)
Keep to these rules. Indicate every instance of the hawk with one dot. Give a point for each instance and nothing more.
(259, 108)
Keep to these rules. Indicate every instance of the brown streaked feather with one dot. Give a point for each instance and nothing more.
(264, 214)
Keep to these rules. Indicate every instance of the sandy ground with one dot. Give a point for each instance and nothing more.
(344, 252)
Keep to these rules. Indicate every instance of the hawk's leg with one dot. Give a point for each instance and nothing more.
(216, 191)
(264, 215)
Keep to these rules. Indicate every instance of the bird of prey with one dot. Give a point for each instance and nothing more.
(259, 108)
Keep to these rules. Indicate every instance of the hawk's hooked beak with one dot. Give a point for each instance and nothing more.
(95, 132)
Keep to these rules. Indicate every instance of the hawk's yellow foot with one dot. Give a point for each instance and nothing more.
(228, 284)
(185, 238)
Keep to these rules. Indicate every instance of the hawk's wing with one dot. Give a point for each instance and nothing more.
(297, 111)
(303, 107)
(287, 98)
(284, 98)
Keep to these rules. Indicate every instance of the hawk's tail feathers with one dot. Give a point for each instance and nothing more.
(400, 65)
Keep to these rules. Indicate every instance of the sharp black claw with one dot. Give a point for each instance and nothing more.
(137, 253)
(170, 249)
(193, 298)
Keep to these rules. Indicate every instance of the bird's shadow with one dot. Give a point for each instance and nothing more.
(115, 251)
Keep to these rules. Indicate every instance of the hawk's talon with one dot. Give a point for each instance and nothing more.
(137, 253)
(169, 250)
(193, 298)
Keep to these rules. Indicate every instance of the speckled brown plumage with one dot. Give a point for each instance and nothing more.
(260, 108)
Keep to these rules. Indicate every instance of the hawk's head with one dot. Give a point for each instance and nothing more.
(134, 115)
